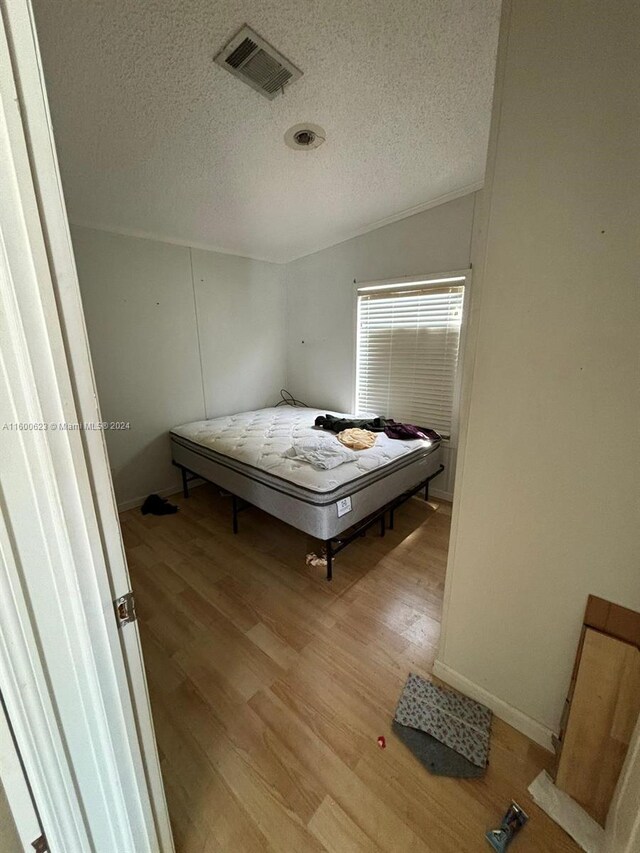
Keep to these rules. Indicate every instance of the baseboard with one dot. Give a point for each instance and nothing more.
(164, 493)
(520, 721)
(440, 495)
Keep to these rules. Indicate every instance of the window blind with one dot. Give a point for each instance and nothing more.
(407, 353)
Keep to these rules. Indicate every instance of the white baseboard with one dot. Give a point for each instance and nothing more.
(440, 495)
(520, 721)
(164, 493)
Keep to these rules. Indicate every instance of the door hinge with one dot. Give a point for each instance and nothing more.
(125, 608)
(40, 845)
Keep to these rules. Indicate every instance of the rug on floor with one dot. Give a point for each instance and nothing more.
(439, 759)
(452, 719)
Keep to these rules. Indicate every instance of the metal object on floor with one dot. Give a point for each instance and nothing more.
(238, 504)
(337, 543)
(512, 822)
(186, 479)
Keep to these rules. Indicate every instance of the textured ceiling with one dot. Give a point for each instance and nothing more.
(156, 139)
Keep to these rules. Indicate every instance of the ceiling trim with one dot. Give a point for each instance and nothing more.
(207, 247)
(172, 241)
(395, 217)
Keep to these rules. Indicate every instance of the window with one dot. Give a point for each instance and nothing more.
(408, 340)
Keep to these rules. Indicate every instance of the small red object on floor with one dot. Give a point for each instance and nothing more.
(382, 742)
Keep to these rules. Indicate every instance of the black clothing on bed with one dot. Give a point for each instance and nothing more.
(334, 424)
(392, 428)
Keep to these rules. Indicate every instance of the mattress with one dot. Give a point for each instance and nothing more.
(244, 453)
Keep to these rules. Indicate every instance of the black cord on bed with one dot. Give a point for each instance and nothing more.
(287, 399)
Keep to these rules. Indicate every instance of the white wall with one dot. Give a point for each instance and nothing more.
(138, 303)
(546, 505)
(140, 300)
(180, 334)
(9, 839)
(321, 301)
(241, 322)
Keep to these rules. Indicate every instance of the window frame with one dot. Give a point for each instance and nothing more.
(402, 282)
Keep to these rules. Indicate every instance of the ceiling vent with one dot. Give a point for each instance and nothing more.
(253, 60)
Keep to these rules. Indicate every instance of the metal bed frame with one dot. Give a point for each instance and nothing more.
(336, 544)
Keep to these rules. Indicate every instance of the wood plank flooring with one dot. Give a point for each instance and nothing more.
(270, 686)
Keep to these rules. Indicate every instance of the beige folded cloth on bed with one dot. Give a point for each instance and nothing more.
(357, 439)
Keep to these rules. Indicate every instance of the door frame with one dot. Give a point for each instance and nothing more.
(73, 683)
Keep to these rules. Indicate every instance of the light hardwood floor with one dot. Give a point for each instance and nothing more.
(270, 687)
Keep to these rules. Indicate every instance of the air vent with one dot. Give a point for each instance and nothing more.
(252, 59)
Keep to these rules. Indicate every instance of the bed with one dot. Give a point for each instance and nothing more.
(244, 455)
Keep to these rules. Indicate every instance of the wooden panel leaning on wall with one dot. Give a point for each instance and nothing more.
(602, 707)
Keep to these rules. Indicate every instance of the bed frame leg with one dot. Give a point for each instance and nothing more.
(329, 559)
(391, 511)
(235, 513)
(426, 491)
(185, 483)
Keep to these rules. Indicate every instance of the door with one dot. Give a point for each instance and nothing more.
(73, 681)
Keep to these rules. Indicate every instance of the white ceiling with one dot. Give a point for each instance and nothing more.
(156, 139)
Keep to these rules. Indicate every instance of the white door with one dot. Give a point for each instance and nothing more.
(73, 682)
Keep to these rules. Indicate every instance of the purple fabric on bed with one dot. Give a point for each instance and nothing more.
(409, 431)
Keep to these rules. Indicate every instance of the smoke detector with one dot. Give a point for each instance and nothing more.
(303, 137)
(251, 59)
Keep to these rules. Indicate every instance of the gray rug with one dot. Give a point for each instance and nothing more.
(454, 720)
(439, 759)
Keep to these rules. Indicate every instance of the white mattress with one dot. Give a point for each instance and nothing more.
(259, 440)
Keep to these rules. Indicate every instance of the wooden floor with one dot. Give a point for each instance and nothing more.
(270, 687)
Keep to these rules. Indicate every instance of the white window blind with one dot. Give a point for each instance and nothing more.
(407, 355)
